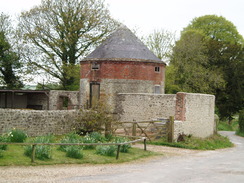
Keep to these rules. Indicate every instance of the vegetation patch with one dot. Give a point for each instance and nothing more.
(15, 156)
(239, 133)
(43, 152)
(71, 154)
(17, 135)
(74, 152)
(189, 142)
(241, 122)
(125, 147)
(226, 126)
(106, 150)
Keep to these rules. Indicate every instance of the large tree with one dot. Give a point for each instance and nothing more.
(9, 60)
(59, 33)
(191, 67)
(223, 61)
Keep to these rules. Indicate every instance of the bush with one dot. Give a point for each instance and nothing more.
(123, 148)
(69, 138)
(1, 153)
(88, 139)
(74, 152)
(3, 139)
(17, 135)
(42, 151)
(241, 121)
(94, 119)
(106, 150)
(98, 137)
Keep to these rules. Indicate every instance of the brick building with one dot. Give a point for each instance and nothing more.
(121, 64)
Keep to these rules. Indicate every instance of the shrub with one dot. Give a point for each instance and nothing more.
(3, 139)
(123, 148)
(241, 121)
(69, 138)
(42, 151)
(106, 150)
(94, 119)
(1, 153)
(17, 135)
(98, 137)
(88, 139)
(74, 152)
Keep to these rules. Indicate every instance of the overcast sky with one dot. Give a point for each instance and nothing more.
(147, 15)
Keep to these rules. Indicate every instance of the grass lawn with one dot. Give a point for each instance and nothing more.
(211, 143)
(14, 155)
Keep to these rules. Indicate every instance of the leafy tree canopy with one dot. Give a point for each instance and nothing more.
(210, 52)
(59, 33)
(216, 28)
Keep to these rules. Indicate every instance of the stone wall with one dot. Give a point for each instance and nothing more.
(139, 107)
(198, 114)
(37, 122)
(55, 99)
(194, 113)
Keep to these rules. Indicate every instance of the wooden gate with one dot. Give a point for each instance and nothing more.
(150, 129)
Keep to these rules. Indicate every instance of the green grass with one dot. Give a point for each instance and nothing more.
(224, 126)
(211, 143)
(14, 155)
(240, 133)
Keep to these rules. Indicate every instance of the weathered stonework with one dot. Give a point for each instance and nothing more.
(55, 99)
(141, 106)
(194, 113)
(199, 115)
(37, 122)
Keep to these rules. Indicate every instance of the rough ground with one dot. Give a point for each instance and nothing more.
(178, 165)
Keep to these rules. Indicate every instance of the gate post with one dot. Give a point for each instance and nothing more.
(171, 129)
(134, 129)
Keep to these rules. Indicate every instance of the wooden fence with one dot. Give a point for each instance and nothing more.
(151, 129)
(76, 144)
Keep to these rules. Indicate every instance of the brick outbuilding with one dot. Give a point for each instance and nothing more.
(121, 64)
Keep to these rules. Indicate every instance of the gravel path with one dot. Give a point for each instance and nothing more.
(175, 166)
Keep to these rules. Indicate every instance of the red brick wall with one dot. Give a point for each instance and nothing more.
(133, 70)
(180, 108)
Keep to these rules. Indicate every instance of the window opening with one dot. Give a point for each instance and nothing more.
(157, 69)
(157, 89)
(95, 66)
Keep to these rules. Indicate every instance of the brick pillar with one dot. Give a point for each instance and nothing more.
(180, 108)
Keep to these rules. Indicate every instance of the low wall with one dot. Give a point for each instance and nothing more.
(36, 123)
(140, 107)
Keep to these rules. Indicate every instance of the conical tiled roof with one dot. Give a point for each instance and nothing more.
(123, 45)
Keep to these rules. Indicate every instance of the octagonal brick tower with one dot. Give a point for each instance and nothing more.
(121, 64)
